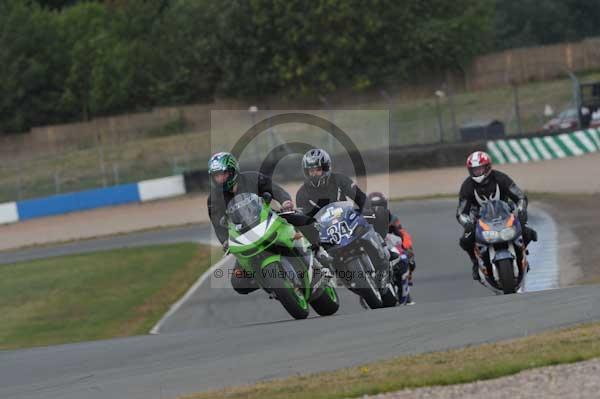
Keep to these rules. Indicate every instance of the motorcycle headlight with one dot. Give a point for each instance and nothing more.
(508, 234)
(490, 235)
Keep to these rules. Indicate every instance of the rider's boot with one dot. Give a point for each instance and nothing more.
(322, 265)
(475, 267)
(393, 256)
(324, 258)
(411, 268)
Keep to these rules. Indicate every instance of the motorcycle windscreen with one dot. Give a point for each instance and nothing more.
(494, 211)
(244, 210)
(332, 211)
(336, 222)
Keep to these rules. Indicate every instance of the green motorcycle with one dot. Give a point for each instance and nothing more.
(270, 250)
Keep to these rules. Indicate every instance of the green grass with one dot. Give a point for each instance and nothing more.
(94, 296)
(437, 368)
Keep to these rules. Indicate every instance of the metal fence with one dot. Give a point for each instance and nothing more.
(136, 158)
(435, 115)
(522, 108)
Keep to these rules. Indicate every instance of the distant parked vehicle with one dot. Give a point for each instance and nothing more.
(595, 122)
(568, 119)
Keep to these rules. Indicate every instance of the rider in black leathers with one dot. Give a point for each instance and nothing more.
(322, 187)
(226, 182)
(485, 183)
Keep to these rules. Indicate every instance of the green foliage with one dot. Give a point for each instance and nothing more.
(185, 69)
(65, 60)
(521, 23)
(31, 64)
(57, 4)
(320, 46)
(85, 32)
(74, 60)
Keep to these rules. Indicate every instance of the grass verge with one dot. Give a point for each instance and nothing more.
(437, 368)
(94, 296)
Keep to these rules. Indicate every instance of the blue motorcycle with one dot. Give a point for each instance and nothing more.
(361, 260)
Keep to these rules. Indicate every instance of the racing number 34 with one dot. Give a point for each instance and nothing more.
(338, 231)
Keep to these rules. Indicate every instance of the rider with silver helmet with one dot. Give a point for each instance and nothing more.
(485, 183)
(322, 187)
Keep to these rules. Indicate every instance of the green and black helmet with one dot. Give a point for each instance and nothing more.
(223, 162)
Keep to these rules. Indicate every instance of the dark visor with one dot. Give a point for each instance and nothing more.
(478, 170)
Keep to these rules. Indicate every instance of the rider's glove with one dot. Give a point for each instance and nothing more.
(470, 227)
(467, 222)
(523, 217)
(522, 212)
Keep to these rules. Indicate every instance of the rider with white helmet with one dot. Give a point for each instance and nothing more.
(485, 183)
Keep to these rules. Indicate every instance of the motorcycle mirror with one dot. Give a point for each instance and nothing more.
(267, 197)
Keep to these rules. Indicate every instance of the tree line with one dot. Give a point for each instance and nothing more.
(71, 60)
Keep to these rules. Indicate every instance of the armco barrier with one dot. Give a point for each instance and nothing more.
(544, 148)
(79, 201)
(161, 188)
(8, 213)
(147, 190)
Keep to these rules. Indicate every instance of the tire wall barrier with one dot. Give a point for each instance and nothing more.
(520, 150)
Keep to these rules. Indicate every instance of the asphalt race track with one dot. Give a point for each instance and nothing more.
(219, 338)
(443, 273)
